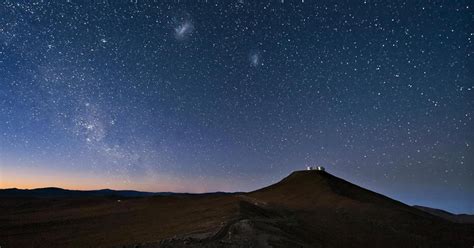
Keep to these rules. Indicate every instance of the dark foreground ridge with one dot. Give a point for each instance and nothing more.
(305, 209)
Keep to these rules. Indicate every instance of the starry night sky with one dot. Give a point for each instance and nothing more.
(210, 95)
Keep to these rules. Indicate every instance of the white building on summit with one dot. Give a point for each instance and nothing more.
(318, 168)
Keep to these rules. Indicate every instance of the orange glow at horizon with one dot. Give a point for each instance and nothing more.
(31, 178)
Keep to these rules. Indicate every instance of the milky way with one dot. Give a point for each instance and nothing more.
(210, 95)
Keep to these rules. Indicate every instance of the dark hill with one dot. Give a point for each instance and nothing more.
(310, 188)
(340, 214)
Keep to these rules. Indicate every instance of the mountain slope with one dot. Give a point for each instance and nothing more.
(340, 214)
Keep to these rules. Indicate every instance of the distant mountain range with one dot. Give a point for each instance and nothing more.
(459, 218)
(53, 192)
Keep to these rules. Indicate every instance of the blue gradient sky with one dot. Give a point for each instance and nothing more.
(203, 96)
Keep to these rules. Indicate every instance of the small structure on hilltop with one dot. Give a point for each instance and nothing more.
(318, 168)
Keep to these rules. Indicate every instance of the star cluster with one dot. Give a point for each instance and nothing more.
(233, 95)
